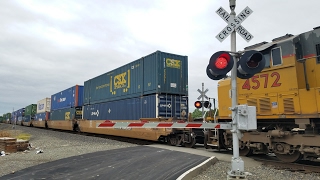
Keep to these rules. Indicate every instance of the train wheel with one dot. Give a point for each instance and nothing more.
(191, 143)
(173, 141)
(292, 157)
(245, 151)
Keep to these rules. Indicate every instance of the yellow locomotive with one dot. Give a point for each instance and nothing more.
(287, 98)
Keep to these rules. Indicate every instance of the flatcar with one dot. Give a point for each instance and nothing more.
(286, 94)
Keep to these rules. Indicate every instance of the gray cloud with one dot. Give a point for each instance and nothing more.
(44, 51)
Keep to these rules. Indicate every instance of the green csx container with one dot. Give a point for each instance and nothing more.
(156, 73)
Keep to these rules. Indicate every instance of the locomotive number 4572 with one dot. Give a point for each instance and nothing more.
(262, 80)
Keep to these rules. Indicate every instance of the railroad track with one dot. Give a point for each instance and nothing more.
(301, 166)
(116, 138)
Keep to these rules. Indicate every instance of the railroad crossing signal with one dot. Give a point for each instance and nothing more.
(250, 63)
(207, 104)
(221, 62)
(219, 65)
(199, 104)
(234, 24)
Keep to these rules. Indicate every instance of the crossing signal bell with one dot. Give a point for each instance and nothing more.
(250, 63)
(221, 62)
(219, 65)
(198, 104)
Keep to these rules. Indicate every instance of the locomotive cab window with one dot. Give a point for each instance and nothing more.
(276, 56)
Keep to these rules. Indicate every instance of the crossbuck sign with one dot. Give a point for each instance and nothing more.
(203, 94)
(234, 24)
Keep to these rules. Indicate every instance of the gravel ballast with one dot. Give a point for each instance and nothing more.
(219, 171)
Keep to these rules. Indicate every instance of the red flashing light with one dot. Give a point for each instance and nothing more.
(220, 64)
(222, 61)
(198, 104)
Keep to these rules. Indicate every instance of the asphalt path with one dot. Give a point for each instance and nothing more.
(138, 163)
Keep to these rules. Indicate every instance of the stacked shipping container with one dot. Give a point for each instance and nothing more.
(43, 109)
(150, 87)
(154, 86)
(30, 112)
(13, 118)
(67, 104)
(150, 106)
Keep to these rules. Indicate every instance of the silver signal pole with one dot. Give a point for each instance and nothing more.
(237, 165)
(202, 101)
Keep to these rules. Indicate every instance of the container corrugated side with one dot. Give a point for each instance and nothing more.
(151, 106)
(27, 118)
(44, 105)
(30, 110)
(71, 97)
(165, 106)
(121, 83)
(165, 73)
(63, 114)
(42, 116)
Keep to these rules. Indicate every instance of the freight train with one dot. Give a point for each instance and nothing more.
(287, 98)
(153, 88)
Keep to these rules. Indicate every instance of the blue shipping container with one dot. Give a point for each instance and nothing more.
(151, 106)
(157, 73)
(42, 116)
(71, 97)
(20, 112)
(27, 118)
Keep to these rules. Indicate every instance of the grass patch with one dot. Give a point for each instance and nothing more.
(24, 136)
(15, 134)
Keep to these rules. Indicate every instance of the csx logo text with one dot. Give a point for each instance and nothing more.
(120, 80)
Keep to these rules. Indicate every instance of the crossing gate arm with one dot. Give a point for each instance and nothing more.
(118, 125)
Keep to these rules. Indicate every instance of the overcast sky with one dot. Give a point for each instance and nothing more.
(49, 45)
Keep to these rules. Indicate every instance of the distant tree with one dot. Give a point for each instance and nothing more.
(196, 113)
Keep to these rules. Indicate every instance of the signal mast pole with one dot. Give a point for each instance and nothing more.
(237, 164)
(202, 101)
